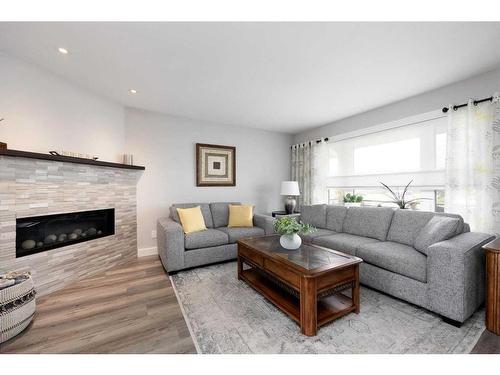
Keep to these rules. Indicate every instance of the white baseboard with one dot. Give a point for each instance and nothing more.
(146, 251)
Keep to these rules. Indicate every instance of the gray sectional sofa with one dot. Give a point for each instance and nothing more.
(405, 254)
(218, 243)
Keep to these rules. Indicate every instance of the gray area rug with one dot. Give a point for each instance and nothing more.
(227, 316)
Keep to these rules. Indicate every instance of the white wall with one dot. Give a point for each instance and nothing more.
(166, 146)
(43, 112)
(480, 86)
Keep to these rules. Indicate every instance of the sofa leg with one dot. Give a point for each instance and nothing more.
(452, 322)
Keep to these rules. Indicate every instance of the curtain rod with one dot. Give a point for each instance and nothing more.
(475, 102)
(310, 142)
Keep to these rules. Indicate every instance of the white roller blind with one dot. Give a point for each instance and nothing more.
(415, 151)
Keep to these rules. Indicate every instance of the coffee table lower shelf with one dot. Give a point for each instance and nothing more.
(328, 308)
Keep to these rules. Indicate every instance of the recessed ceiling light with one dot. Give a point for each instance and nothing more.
(132, 91)
(63, 50)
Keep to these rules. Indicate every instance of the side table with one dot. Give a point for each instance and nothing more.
(493, 286)
(278, 214)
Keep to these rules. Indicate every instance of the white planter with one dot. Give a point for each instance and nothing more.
(353, 204)
(290, 241)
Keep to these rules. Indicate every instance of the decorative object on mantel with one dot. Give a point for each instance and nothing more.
(128, 159)
(17, 303)
(290, 189)
(289, 228)
(215, 165)
(67, 159)
(73, 154)
(400, 199)
(353, 200)
(3, 145)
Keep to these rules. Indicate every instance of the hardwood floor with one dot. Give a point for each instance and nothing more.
(129, 309)
(488, 343)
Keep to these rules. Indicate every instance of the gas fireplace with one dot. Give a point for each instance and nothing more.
(41, 233)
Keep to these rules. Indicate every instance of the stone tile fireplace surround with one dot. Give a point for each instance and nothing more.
(35, 187)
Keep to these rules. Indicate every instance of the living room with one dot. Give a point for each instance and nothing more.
(249, 187)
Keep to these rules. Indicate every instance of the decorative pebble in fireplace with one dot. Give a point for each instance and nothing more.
(41, 233)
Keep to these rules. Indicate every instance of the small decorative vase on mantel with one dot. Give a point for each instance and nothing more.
(289, 228)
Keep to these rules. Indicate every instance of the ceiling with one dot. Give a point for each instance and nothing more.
(286, 77)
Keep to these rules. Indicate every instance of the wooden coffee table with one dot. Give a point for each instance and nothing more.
(306, 284)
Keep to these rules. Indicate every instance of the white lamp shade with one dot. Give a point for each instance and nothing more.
(290, 188)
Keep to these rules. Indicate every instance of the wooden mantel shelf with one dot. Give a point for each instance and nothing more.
(66, 159)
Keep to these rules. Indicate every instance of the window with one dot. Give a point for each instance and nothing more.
(413, 149)
(431, 199)
(380, 158)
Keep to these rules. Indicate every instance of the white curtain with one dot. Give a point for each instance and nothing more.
(473, 165)
(309, 168)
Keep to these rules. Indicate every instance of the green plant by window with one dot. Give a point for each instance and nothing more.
(400, 199)
(288, 225)
(353, 198)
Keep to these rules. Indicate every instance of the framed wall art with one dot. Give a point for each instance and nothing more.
(215, 165)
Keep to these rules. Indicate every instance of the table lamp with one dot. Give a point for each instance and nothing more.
(290, 189)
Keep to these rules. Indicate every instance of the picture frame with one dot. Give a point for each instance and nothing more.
(215, 165)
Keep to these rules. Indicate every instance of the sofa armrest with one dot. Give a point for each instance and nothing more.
(265, 222)
(170, 238)
(456, 275)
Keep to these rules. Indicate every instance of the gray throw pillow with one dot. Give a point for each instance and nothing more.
(439, 228)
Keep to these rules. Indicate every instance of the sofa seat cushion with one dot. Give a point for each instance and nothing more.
(395, 257)
(309, 237)
(235, 234)
(346, 243)
(371, 222)
(206, 238)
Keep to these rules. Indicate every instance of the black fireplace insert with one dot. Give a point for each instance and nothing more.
(41, 233)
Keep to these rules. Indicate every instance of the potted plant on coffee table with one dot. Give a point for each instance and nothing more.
(289, 228)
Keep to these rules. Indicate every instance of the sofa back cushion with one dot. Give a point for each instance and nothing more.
(373, 222)
(437, 229)
(220, 213)
(407, 224)
(205, 211)
(335, 216)
(314, 215)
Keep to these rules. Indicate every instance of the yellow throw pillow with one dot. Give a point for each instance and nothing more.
(191, 219)
(240, 216)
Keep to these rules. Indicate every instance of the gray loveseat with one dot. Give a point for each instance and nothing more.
(218, 243)
(446, 277)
